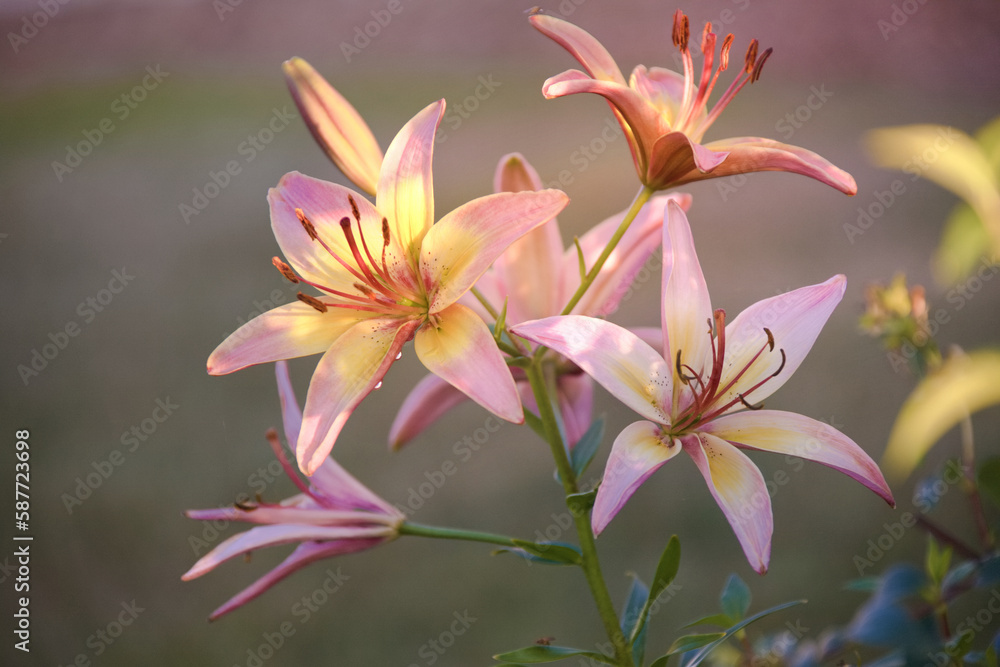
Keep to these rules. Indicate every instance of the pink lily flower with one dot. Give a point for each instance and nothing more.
(664, 115)
(335, 125)
(385, 274)
(334, 514)
(537, 277)
(697, 396)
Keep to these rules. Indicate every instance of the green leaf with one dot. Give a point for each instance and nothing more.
(937, 562)
(579, 257)
(704, 652)
(991, 657)
(580, 503)
(501, 322)
(584, 451)
(691, 642)
(537, 653)
(864, 584)
(988, 137)
(633, 617)
(666, 570)
(988, 478)
(964, 242)
(735, 599)
(962, 385)
(721, 620)
(560, 552)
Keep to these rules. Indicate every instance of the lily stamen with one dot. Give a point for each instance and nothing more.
(285, 270)
(311, 301)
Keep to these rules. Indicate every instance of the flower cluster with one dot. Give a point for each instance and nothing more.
(503, 312)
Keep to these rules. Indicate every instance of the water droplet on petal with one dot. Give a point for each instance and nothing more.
(399, 355)
(378, 385)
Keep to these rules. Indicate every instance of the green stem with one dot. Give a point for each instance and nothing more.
(640, 200)
(420, 530)
(485, 302)
(591, 565)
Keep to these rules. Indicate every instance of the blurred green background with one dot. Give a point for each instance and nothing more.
(218, 85)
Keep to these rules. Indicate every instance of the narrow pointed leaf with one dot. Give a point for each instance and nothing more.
(560, 552)
(735, 598)
(580, 258)
(690, 643)
(584, 451)
(632, 612)
(702, 654)
(667, 568)
(721, 620)
(536, 654)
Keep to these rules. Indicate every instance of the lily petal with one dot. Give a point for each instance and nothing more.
(639, 451)
(581, 45)
(324, 204)
(288, 331)
(622, 363)
(639, 119)
(796, 435)
(739, 488)
(337, 127)
(674, 158)
(460, 348)
(576, 405)
(291, 413)
(349, 370)
(340, 489)
(625, 262)
(290, 514)
(427, 402)
(304, 554)
(531, 262)
(686, 316)
(406, 187)
(794, 319)
(267, 536)
(751, 154)
(463, 244)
